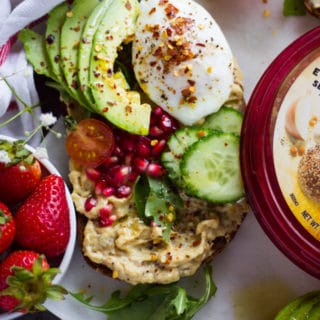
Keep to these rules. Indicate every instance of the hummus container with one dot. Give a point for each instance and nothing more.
(280, 152)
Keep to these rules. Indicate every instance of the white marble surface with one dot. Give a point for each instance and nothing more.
(254, 279)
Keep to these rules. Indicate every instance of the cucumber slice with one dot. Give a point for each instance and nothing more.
(227, 119)
(210, 168)
(178, 143)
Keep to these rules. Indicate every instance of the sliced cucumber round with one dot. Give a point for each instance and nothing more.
(210, 168)
(227, 119)
(178, 143)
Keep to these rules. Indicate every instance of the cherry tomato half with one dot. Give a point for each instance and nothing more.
(90, 143)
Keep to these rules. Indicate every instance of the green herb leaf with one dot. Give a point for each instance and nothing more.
(156, 200)
(294, 8)
(154, 302)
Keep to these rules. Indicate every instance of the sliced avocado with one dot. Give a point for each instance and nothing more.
(69, 43)
(36, 53)
(52, 36)
(85, 47)
(115, 102)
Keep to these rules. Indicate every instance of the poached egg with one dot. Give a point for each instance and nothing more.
(181, 59)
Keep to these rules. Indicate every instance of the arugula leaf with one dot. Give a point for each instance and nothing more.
(294, 8)
(156, 200)
(154, 301)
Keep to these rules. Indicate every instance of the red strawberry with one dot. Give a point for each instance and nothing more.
(7, 228)
(42, 221)
(26, 282)
(18, 176)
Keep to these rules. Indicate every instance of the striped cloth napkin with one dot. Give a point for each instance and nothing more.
(14, 16)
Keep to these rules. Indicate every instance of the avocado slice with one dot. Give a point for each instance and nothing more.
(85, 47)
(36, 53)
(113, 100)
(35, 49)
(52, 36)
(69, 43)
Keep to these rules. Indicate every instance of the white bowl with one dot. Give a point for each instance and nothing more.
(64, 264)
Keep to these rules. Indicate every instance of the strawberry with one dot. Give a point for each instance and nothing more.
(26, 282)
(19, 174)
(42, 221)
(7, 228)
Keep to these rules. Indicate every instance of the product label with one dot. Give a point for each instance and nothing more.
(296, 144)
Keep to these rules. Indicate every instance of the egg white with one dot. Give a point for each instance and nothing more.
(190, 86)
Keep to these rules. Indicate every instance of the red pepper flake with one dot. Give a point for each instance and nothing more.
(128, 5)
(169, 32)
(128, 109)
(163, 2)
(181, 24)
(105, 109)
(200, 44)
(153, 63)
(196, 243)
(152, 11)
(171, 11)
(168, 258)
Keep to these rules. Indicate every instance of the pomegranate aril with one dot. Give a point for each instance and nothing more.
(100, 185)
(155, 131)
(106, 211)
(111, 161)
(140, 165)
(119, 175)
(108, 191)
(118, 152)
(128, 144)
(123, 191)
(133, 176)
(157, 111)
(143, 150)
(158, 148)
(90, 203)
(128, 158)
(155, 170)
(165, 122)
(93, 174)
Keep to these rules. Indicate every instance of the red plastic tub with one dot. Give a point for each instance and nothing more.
(280, 132)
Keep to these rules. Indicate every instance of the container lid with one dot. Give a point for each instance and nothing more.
(280, 152)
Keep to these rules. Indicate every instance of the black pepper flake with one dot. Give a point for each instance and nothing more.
(74, 84)
(57, 58)
(50, 39)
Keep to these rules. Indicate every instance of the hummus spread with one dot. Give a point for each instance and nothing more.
(137, 253)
